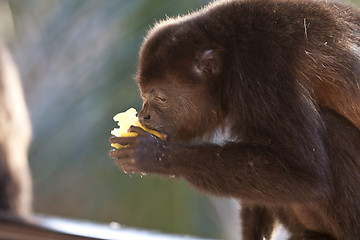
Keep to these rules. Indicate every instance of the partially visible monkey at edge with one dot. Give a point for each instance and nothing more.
(259, 100)
(15, 135)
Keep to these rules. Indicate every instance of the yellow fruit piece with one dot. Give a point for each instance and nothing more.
(125, 121)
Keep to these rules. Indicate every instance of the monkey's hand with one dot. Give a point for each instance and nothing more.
(143, 153)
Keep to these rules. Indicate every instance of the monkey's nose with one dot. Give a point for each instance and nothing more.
(147, 117)
(144, 116)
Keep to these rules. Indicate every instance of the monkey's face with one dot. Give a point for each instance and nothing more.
(178, 77)
(180, 112)
(179, 99)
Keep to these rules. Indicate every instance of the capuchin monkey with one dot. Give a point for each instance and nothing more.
(15, 134)
(258, 100)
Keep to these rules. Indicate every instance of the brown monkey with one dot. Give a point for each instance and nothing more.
(15, 134)
(260, 101)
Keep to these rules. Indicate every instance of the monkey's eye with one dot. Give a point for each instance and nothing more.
(161, 99)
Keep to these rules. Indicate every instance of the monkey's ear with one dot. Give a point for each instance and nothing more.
(209, 62)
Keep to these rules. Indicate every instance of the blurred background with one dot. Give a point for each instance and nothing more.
(77, 59)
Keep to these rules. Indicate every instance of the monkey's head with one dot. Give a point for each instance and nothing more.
(178, 76)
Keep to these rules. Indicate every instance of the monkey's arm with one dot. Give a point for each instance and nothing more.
(236, 169)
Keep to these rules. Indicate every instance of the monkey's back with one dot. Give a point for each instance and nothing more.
(318, 42)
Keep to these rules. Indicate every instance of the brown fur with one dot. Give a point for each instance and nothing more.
(279, 81)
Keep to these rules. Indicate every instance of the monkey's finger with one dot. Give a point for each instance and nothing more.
(126, 162)
(123, 153)
(127, 166)
(138, 130)
(129, 170)
(123, 140)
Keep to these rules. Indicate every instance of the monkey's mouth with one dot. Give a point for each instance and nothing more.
(164, 136)
(159, 130)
